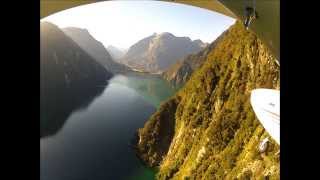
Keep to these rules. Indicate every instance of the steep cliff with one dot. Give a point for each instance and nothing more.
(95, 49)
(208, 130)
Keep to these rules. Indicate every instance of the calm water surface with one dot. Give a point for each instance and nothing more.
(93, 142)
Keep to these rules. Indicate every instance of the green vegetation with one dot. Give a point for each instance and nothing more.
(180, 72)
(208, 130)
(161, 128)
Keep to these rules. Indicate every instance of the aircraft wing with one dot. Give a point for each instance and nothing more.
(267, 26)
(266, 105)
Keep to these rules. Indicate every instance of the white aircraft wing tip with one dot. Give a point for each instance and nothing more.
(266, 105)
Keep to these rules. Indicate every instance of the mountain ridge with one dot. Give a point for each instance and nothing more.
(208, 130)
(95, 48)
(157, 52)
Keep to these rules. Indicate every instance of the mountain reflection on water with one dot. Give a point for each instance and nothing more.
(91, 130)
(151, 87)
(57, 106)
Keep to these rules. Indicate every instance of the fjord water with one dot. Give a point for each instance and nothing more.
(93, 142)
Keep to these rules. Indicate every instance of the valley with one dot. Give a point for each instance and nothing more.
(167, 107)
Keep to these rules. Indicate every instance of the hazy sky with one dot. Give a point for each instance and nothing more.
(123, 23)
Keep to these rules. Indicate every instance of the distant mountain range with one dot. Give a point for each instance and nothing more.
(159, 51)
(67, 74)
(116, 53)
(94, 48)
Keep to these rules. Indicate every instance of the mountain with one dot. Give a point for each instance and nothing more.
(115, 52)
(69, 77)
(208, 129)
(159, 51)
(180, 72)
(94, 48)
(200, 43)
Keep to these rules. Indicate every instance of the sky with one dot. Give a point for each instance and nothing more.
(123, 23)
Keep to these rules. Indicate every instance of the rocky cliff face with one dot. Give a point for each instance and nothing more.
(94, 48)
(159, 51)
(208, 130)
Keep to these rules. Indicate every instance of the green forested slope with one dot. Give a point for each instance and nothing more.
(208, 130)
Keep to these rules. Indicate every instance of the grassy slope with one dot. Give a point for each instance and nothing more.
(215, 133)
